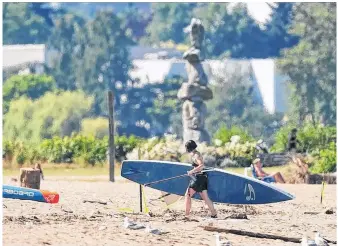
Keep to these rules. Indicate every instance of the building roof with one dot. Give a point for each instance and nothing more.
(14, 55)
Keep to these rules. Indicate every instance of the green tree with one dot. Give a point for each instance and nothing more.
(21, 25)
(166, 107)
(168, 22)
(103, 61)
(231, 33)
(135, 22)
(237, 103)
(65, 45)
(277, 29)
(97, 127)
(50, 115)
(32, 86)
(311, 65)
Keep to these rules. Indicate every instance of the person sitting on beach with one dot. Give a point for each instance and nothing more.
(257, 166)
(199, 180)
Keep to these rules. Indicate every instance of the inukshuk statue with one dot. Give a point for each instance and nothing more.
(195, 91)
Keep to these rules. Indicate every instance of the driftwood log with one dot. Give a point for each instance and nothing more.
(257, 235)
(30, 178)
(252, 234)
(94, 201)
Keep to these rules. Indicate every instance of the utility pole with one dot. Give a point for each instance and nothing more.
(111, 155)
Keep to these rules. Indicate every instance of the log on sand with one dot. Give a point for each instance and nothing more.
(30, 178)
(258, 235)
(252, 234)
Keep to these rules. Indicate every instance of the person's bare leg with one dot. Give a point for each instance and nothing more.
(278, 177)
(190, 192)
(205, 197)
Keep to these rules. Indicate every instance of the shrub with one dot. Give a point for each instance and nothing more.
(167, 149)
(50, 115)
(98, 127)
(88, 149)
(325, 160)
(311, 137)
(124, 145)
(224, 135)
(172, 149)
(17, 153)
(32, 86)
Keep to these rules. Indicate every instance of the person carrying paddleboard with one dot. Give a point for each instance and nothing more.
(199, 180)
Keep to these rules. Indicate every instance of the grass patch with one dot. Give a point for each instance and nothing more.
(68, 170)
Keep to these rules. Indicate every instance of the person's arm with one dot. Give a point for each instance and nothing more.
(200, 166)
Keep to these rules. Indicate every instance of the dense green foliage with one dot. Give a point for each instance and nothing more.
(74, 149)
(166, 107)
(32, 86)
(326, 159)
(97, 127)
(236, 103)
(21, 25)
(231, 33)
(311, 65)
(277, 29)
(63, 40)
(168, 22)
(310, 137)
(135, 22)
(50, 115)
(318, 141)
(224, 134)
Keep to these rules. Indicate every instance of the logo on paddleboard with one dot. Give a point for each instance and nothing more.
(18, 192)
(249, 192)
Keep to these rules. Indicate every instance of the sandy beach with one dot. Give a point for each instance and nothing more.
(75, 222)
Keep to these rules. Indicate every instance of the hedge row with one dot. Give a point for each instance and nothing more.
(319, 142)
(74, 149)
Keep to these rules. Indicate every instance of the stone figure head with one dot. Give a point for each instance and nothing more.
(196, 31)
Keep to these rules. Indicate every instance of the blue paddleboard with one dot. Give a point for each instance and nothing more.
(21, 193)
(223, 186)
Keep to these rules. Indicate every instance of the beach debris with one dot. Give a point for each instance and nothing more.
(251, 234)
(240, 216)
(127, 223)
(221, 243)
(329, 211)
(66, 210)
(306, 242)
(155, 231)
(94, 201)
(319, 240)
(101, 228)
(29, 224)
(313, 213)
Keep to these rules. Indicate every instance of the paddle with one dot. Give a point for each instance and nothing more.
(162, 180)
(175, 177)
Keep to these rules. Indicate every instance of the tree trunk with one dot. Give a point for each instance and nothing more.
(30, 178)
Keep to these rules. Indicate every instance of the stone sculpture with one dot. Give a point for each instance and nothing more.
(195, 91)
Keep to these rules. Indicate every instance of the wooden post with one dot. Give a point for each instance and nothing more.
(30, 178)
(141, 209)
(140, 186)
(111, 156)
